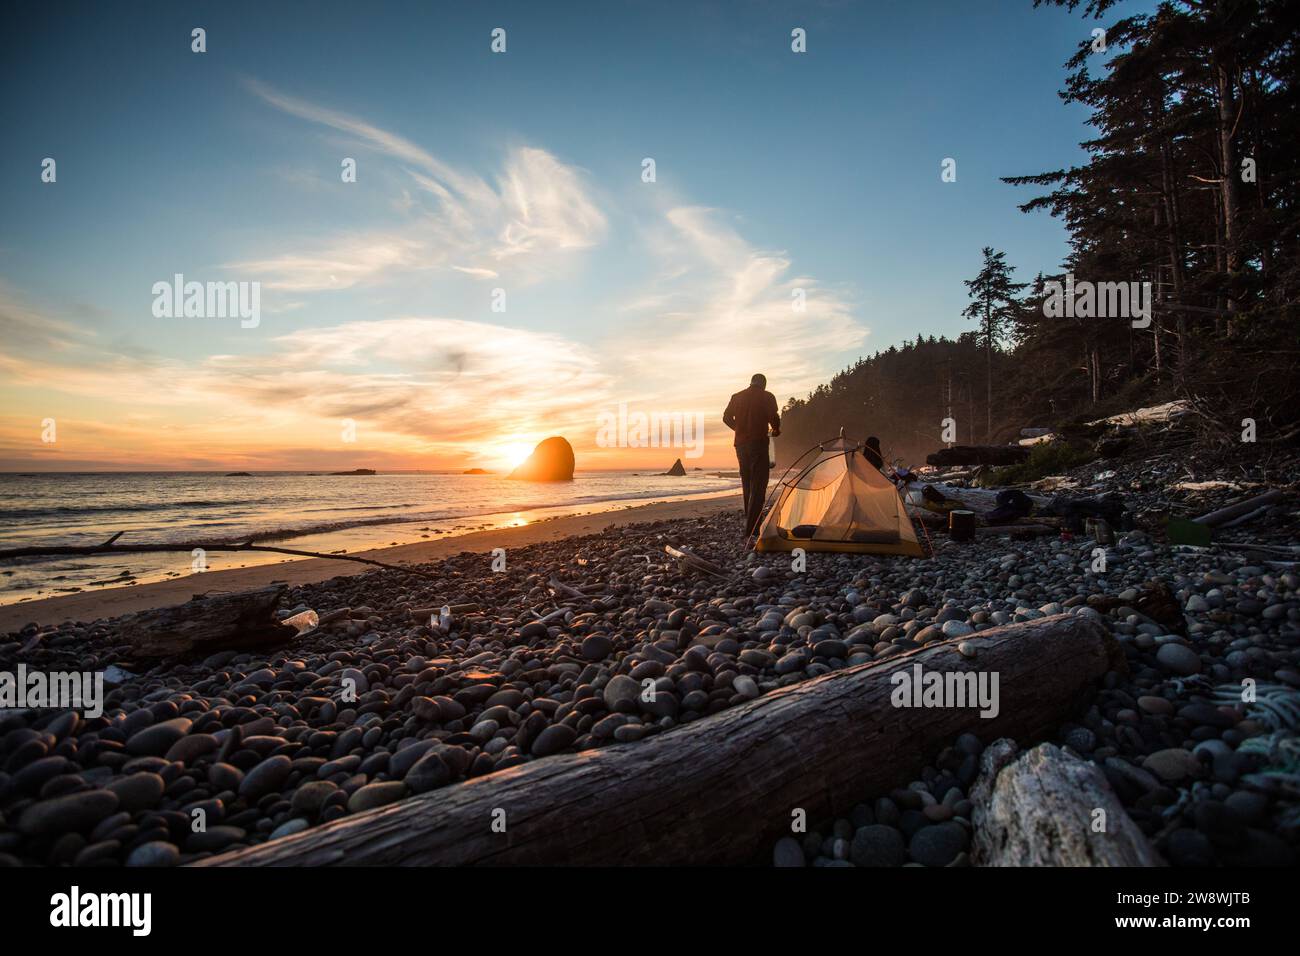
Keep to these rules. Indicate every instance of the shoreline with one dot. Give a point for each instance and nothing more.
(113, 601)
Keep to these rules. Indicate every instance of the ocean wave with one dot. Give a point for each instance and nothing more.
(13, 514)
(237, 526)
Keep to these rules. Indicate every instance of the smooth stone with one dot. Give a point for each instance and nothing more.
(788, 853)
(265, 777)
(191, 747)
(1179, 658)
(429, 773)
(154, 853)
(1172, 765)
(139, 791)
(553, 739)
(289, 828)
(311, 796)
(937, 845)
(76, 811)
(621, 692)
(157, 740)
(877, 845)
(374, 795)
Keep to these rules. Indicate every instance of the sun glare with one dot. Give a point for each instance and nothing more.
(513, 454)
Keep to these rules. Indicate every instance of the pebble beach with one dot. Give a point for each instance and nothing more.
(265, 743)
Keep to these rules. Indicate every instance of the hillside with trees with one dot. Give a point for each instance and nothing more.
(1190, 185)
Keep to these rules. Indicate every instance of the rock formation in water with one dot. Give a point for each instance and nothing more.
(551, 460)
(676, 470)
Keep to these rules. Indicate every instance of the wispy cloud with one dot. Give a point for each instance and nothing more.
(730, 310)
(537, 209)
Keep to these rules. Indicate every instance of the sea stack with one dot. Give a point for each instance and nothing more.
(551, 460)
(676, 470)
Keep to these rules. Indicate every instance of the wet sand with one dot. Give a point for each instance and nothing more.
(88, 606)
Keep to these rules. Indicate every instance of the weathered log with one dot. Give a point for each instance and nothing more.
(721, 790)
(109, 547)
(979, 500)
(978, 455)
(1216, 518)
(1041, 808)
(206, 624)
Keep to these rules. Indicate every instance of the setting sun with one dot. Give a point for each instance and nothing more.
(513, 454)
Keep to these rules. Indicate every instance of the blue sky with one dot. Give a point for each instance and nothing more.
(478, 171)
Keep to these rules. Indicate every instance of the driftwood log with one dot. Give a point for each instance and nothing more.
(1240, 509)
(721, 790)
(208, 623)
(1049, 808)
(978, 455)
(111, 547)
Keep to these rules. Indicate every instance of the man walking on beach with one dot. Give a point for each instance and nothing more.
(748, 414)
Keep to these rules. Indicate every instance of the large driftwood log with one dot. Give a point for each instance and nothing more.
(1040, 809)
(1240, 508)
(978, 455)
(208, 623)
(721, 790)
(111, 547)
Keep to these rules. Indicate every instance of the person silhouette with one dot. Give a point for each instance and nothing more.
(748, 414)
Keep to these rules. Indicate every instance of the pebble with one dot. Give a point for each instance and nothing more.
(157, 740)
(264, 739)
(154, 853)
(374, 795)
(74, 812)
(877, 845)
(265, 777)
(937, 845)
(1179, 659)
(139, 791)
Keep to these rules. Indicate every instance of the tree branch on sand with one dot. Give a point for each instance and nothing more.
(111, 547)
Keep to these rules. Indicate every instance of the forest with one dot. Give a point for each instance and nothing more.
(1188, 192)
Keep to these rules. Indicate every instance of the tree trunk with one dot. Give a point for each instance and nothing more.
(722, 790)
(222, 622)
(1042, 809)
(1227, 160)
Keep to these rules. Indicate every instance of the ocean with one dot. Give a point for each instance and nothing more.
(307, 511)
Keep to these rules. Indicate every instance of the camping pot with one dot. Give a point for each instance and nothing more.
(1101, 530)
(961, 525)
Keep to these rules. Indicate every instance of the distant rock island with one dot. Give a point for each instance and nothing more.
(238, 474)
(677, 471)
(476, 471)
(355, 471)
(551, 460)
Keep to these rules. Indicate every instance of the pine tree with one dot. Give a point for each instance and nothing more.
(994, 306)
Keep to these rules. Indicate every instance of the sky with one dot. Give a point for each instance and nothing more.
(500, 270)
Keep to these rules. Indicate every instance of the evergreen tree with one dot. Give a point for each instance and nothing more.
(993, 305)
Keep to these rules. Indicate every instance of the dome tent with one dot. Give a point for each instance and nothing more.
(839, 502)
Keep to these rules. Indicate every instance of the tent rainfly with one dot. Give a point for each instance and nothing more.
(839, 503)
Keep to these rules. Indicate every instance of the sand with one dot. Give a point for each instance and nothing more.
(89, 606)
